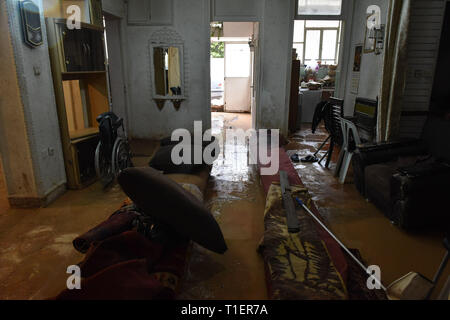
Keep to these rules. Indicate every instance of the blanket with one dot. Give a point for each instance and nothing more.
(121, 263)
(129, 266)
(298, 265)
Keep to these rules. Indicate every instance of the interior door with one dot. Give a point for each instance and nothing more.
(237, 77)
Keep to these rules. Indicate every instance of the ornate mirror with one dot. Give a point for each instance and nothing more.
(166, 55)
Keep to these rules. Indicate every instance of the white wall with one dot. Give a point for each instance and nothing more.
(276, 36)
(371, 64)
(39, 108)
(237, 10)
(191, 22)
(114, 7)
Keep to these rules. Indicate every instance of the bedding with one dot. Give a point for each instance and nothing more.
(351, 276)
(121, 263)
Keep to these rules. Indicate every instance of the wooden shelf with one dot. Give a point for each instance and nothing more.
(82, 24)
(78, 102)
(84, 133)
(75, 75)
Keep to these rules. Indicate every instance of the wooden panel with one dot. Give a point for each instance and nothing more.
(423, 44)
(97, 98)
(77, 104)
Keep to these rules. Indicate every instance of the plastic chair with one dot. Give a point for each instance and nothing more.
(345, 156)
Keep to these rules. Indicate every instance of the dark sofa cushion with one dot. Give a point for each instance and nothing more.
(378, 184)
(166, 201)
(162, 160)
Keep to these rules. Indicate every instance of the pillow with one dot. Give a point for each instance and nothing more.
(162, 160)
(167, 202)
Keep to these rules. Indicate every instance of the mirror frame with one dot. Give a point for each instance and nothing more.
(167, 38)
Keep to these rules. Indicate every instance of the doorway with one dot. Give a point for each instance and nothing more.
(115, 66)
(233, 74)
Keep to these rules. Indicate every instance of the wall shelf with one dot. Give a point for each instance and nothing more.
(80, 81)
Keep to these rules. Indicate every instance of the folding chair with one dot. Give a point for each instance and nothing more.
(350, 141)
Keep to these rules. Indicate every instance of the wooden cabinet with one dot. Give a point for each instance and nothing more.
(81, 91)
(79, 47)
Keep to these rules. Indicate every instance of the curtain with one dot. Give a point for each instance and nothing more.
(174, 68)
(394, 70)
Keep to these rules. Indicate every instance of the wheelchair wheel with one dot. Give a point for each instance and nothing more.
(121, 157)
(102, 164)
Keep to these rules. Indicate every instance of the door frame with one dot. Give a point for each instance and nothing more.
(122, 28)
(256, 71)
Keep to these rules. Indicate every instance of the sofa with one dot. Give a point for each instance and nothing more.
(409, 180)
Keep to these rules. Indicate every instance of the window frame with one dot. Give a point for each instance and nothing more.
(321, 29)
(320, 17)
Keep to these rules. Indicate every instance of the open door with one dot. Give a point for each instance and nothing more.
(238, 71)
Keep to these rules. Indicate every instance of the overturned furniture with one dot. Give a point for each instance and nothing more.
(141, 251)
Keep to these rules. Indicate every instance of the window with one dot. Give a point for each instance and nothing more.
(319, 7)
(317, 40)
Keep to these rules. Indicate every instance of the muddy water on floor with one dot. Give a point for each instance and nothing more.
(236, 199)
(359, 224)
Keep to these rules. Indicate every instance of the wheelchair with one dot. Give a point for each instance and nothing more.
(113, 151)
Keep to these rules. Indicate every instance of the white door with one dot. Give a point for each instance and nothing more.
(237, 77)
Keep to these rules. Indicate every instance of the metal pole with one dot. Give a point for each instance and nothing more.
(300, 202)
